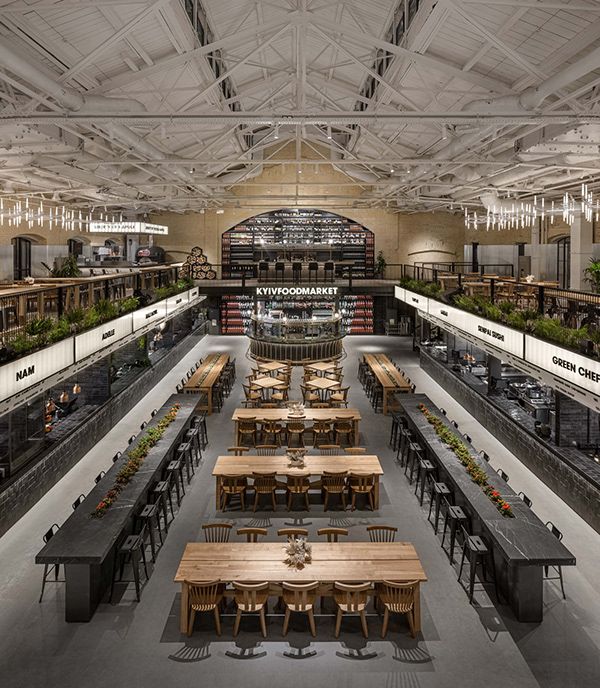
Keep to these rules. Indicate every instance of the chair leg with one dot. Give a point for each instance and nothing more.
(255, 501)
(311, 623)
(411, 622)
(191, 622)
(289, 501)
(386, 620)
(263, 622)
(236, 625)
(338, 623)
(286, 620)
(307, 501)
(44, 581)
(273, 501)
(217, 619)
(326, 500)
(562, 586)
(363, 622)
(243, 500)
(135, 562)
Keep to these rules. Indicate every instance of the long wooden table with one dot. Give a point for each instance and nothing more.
(263, 561)
(282, 415)
(245, 466)
(205, 377)
(390, 378)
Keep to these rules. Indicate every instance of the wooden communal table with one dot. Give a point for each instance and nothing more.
(282, 415)
(350, 562)
(205, 377)
(390, 378)
(321, 367)
(245, 466)
(522, 546)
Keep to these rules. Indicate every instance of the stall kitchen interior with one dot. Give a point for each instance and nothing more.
(299, 343)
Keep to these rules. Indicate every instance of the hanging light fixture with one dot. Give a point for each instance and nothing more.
(76, 388)
(64, 397)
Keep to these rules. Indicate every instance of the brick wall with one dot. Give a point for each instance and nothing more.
(33, 484)
(569, 482)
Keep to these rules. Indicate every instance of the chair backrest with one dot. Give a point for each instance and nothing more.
(247, 390)
(362, 482)
(301, 595)
(399, 594)
(246, 593)
(343, 391)
(233, 483)
(526, 499)
(131, 439)
(78, 501)
(321, 426)
(298, 482)
(264, 482)
(99, 477)
(333, 482)
(329, 449)
(51, 532)
(332, 534)
(143, 425)
(247, 425)
(216, 532)
(252, 534)
(502, 474)
(296, 426)
(355, 595)
(484, 455)
(343, 424)
(266, 449)
(203, 592)
(238, 451)
(117, 456)
(292, 533)
(271, 427)
(355, 450)
(382, 533)
(554, 530)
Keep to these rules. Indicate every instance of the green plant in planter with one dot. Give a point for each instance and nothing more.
(592, 275)
(380, 264)
(105, 310)
(129, 304)
(61, 329)
(39, 327)
(75, 317)
(22, 344)
(69, 268)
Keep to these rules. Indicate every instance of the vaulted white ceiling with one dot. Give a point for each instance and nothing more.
(162, 104)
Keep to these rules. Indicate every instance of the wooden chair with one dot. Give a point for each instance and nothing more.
(271, 428)
(252, 534)
(238, 451)
(295, 429)
(398, 598)
(300, 598)
(297, 485)
(266, 449)
(339, 397)
(216, 532)
(233, 486)
(363, 484)
(247, 428)
(333, 483)
(308, 396)
(351, 599)
(264, 484)
(329, 449)
(252, 396)
(321, 429)
(332, 534)
(280, 394)
(355, 450)
(250, 598)
(292, 533)
(343, 429)
(204, 596)
(382, 533)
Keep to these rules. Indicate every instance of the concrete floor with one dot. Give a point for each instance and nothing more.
(130, 644)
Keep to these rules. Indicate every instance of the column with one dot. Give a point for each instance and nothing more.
(581, 251)
(536, 262)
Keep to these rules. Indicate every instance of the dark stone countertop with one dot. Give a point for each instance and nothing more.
(523, 540)
(83, 539)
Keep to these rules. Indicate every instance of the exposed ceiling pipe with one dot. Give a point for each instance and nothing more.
(355, 171)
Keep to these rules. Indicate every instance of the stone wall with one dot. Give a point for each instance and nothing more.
(572, 477)
(33, 484)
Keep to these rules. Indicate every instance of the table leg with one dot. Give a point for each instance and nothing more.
(525, 592)
(209, 401)
(183, 617)
(84, 588)
(417, 608)
(376, 492)
(217, 493)
(237, 433)
(385, 401)
(356, 434)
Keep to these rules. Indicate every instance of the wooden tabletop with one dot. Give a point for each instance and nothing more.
(267, 382)
(322, 383)
(283, 414)
(271, 366)
(263, 561)
(322, 366)
(386, 372)
(313, 465)
(214, 363)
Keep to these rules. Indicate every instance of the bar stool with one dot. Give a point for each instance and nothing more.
(313, 269)
(133, 549)
(425, 471)
(192, 436)
(398, 422)
(296, 272)
(161, 494)
(48, 535)
(174, 474)
(437, 492)
(377, 397)
(279, 271)
(149, 516)
(403, 446)
(184, 454)
(217, 396)
(475, 550)
(414, 455)
(454, 517)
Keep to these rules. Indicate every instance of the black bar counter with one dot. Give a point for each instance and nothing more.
(522, 545)
(86, 545)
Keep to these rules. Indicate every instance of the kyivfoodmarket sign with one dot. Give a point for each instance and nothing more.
(296, 291)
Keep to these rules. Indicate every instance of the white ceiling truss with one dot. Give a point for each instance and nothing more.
(184, 104)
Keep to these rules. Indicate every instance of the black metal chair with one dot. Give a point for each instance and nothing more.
(476, 552)
(99, 477)
(117, 456)
(502, 474)
(48, 568)
(526, 499)
(132, 549)
(559, 536)
(77, 503)
(131, 439)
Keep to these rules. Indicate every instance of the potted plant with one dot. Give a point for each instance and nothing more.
(592, 274)
(380, 265)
